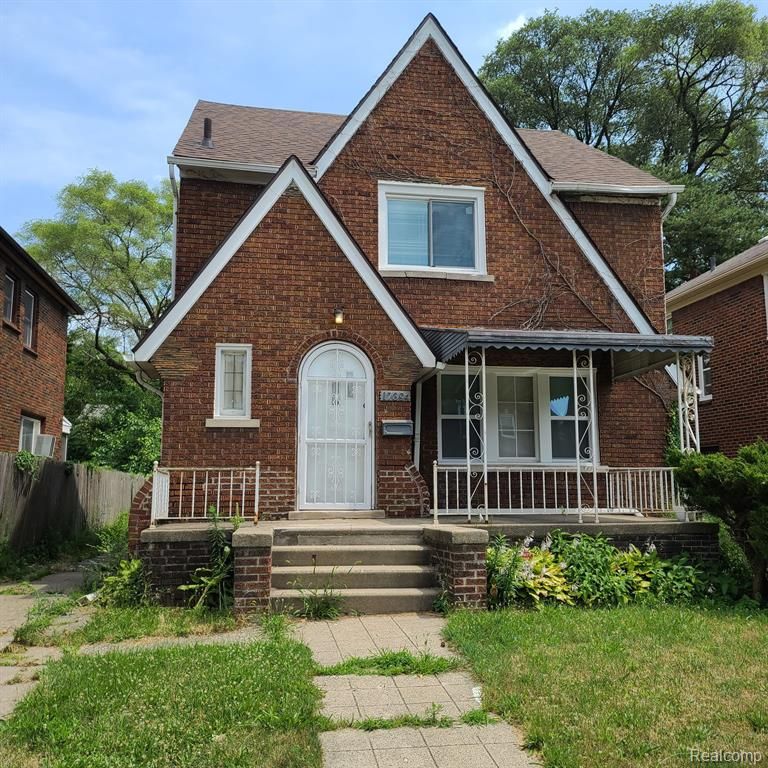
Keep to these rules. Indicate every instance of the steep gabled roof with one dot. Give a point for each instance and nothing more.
(291, 173)
(430, 29)
(260, 136)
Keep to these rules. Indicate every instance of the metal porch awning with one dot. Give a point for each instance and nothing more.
(633, 353)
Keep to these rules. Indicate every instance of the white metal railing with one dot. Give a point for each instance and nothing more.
(189, 493)
(518, 489)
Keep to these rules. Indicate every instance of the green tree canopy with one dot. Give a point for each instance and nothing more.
(110, 248)
(681, 90)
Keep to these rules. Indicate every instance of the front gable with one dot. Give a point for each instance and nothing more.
(294, 179)
(428, 119)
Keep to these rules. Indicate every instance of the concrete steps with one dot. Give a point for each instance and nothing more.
(353, 576)
(373, 569)
(412, 599)
(351, 554)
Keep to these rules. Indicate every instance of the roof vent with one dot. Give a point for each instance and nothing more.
(712, 262)
(207, 132)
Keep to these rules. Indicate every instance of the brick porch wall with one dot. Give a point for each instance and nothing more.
(458, 555)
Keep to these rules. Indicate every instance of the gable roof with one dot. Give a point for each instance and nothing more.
(430, 29)
(266, 137)
(744, 266)
(14, 250)
(291, 173)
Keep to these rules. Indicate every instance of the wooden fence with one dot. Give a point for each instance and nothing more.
(59, 500)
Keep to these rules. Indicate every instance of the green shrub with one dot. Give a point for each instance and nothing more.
(110, 549)
(126, 588)
(587, 570)
(736, 492)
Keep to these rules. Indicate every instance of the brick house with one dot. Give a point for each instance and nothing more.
(33, 355)
(411, 310)
(730, 304)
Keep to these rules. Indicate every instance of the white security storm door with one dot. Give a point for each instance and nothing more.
(336, 429)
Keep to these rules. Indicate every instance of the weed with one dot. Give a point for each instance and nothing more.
(393, 663)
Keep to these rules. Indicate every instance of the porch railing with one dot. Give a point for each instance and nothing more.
(189, 493)
(517, 489)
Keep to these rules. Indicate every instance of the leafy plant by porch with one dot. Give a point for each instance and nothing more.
(240, 705)
(588, 570)
(736, 492)
(632, 687)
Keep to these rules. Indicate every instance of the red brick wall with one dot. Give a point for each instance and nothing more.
(31, 382)
(278, 294)
(735, 318)
(207, 211)
(428, 128)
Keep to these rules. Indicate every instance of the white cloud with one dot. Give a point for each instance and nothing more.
(517, 23)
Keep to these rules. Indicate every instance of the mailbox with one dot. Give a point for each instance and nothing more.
(397, 428)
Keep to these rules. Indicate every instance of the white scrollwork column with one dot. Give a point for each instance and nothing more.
(475, 411)
(688, 403)
(586, 409)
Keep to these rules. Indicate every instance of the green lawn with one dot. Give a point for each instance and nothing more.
(236, 705)
(633, 687)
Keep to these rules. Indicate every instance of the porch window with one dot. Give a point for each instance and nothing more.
(233, 381)
(29, 301)
(9, 304)
(531, 416)
(431, 228)
(705, 377)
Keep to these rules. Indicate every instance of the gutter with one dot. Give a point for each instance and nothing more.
(228, 165)
(669, 206)
(615, 189)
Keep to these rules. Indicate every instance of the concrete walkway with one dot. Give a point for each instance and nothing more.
(356, 697)
(19, 672)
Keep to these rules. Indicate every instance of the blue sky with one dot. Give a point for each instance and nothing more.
(110, 85)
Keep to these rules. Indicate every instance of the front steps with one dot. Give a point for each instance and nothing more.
(374, 570)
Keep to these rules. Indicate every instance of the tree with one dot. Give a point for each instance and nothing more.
(109, 247)
(681, 90)
(115, 422)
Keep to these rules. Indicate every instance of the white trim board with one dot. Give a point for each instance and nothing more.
(292, 173)
(430, 28)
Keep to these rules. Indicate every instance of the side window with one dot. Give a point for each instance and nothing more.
(233, 381)
(29, 302)
(9, 300)
(705, 377)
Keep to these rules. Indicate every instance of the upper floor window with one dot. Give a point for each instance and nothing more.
(29, 301)
(431, 228)
(9, 304)
(705, 377)
(233, 381)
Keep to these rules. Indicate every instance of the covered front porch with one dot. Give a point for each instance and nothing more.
(517, 430)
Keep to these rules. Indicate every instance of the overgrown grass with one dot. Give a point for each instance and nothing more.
(633, 687)
(393, 663)
(36, 562)
(41, 615)
(111, 625)
(240, 706)
(432, 719)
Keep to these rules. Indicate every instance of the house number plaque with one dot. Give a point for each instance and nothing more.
(390, 395)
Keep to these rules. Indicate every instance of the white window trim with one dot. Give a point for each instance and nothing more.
(12, 303)
(700, 372)
(542, 437)
(450, 192)
(217, 410)
(36, 426)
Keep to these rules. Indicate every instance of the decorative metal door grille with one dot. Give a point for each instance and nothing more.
(336, 435)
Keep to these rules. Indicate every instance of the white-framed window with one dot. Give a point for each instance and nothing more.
(9, 292)
(431, 228)
(29, 302)
(530, 419)
(705, 377)
(28, 433)
(232, 398)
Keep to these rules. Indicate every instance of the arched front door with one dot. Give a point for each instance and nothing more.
(335, 428)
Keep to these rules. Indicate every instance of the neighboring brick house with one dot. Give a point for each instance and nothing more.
(33, 354)
(339, 280)
(729, 303)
